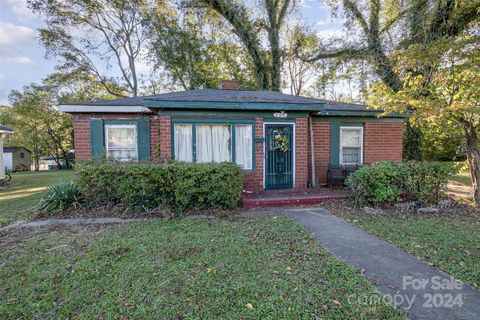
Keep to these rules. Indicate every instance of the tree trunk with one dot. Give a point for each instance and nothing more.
(411, 142)
(473, 157)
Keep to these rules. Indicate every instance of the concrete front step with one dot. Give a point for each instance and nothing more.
(285, 198)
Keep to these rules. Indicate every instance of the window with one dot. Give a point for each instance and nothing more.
(183, 150)
(22, 155)
(351, 145)
(213, 143)
(121, 142)
(204, 142)
(244, 146)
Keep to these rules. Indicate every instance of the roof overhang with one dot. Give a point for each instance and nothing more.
(78, 108)
(233, 105)
(361, 113)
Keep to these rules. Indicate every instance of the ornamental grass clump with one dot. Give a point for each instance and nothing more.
(59, 197)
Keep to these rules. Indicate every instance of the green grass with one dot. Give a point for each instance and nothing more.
(450, 244)
(463, 177)
(19, 198)
(182, 269)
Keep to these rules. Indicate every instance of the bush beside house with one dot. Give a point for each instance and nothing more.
(387, 182)
(178, 186)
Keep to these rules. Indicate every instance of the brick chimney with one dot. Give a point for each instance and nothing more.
(229, 85)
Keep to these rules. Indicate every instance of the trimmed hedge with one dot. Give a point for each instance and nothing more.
(386, 182)
(143, 186)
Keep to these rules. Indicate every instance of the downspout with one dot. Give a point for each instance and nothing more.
(312, 151)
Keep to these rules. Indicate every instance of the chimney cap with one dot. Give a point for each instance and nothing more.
(229, 85)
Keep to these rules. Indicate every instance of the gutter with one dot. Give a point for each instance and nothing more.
(77, 108)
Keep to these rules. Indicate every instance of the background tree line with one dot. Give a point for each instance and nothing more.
(415, 56)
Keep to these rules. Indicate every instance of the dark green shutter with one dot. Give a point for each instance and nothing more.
(97, 140)
(335, 144)
(143, 138)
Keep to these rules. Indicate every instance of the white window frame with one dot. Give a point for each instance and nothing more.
(252, 145)
(119, 126)
(230, 141)
(342, 146)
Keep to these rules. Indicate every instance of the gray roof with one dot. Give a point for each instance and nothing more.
(3, 128)
(232, 96)
(209, 95)
(14, 149)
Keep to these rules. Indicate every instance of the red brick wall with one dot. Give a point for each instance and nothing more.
(383, 141)
(253, 181)
(321, 138)
(165, 139)
(81, 136)
(154, 137)
(301, 153)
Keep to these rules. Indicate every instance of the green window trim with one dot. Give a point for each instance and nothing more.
(335, 128)
(97, 135)
(228, 122)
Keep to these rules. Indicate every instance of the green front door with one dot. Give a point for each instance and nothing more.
(278, 156)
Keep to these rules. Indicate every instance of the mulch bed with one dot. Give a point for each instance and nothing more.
(454, 209)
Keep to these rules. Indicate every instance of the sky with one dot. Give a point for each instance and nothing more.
(22, 57)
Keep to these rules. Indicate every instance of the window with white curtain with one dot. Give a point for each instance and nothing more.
(182, 137)
(351, 145)
(121, 141)
(213, 143)
(244, 146)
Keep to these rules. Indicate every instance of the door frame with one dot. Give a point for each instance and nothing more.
(292, 123)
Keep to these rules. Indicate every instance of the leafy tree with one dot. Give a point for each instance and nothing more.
(450, 93)
(38, 126)
(298, 72)
(194, 47)
(93, 36)
(267, 64)
(382, 27)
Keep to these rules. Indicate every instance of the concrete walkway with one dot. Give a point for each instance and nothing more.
(397, 274)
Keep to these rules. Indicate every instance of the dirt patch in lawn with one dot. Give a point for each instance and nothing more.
(14, 239)
(125, 213)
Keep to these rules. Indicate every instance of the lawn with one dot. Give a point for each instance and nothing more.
(180, 269)
(18, 199)
(450, 243)
(463, 177)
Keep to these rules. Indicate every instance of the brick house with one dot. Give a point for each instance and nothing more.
(270, 134)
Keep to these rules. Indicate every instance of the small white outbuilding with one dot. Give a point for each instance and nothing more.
(3, 131)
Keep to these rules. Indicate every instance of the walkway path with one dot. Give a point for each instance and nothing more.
(396, 273)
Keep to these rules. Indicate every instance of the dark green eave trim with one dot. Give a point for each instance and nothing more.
(355, 119)
(239, 113)
(277, 106)
(363, 113)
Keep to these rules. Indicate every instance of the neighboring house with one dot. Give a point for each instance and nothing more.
(50, 163)
(16, 159)
(270, 134)
(3, 131)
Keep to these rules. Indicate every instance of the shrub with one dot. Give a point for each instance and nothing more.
(60, 196)
(143, 186)
(386, 182)
(378, 183)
